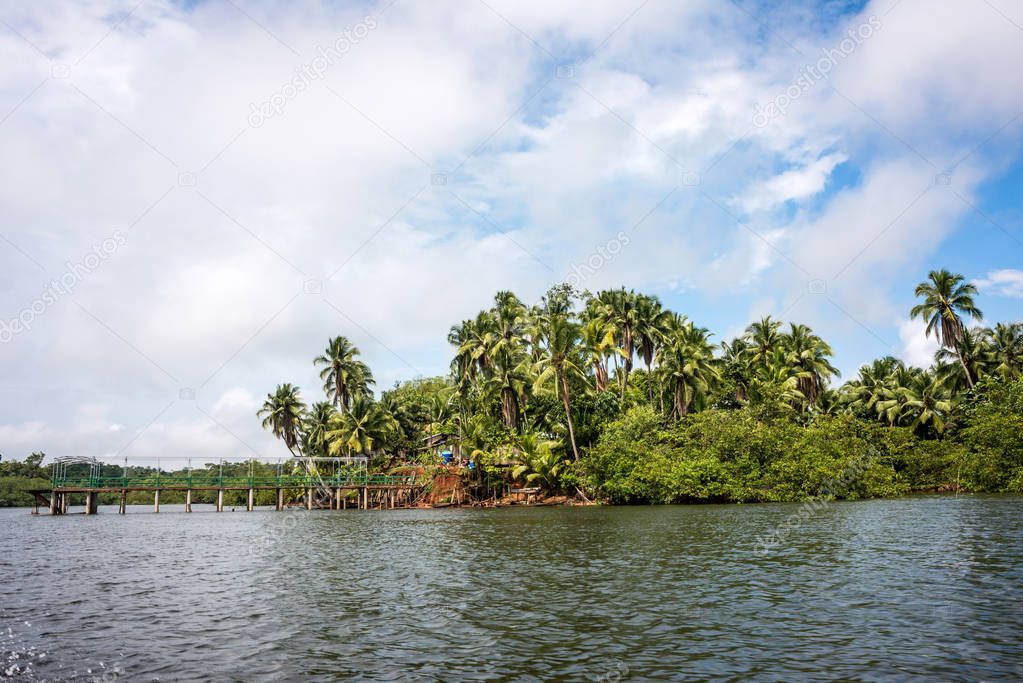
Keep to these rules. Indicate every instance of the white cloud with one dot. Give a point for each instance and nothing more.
(917, 348)
(797, 183)
(1004, 282)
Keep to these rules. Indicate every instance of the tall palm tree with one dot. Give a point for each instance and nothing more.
(736, 366)
(282, 414)
(974, 357)
(809, 354)
(344, 376)
(560, 361)
(618, 307)
(598, 344)
(652, 324)
(947, 296)
(686, 360)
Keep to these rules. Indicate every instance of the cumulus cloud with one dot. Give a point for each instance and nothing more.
(917, 348)
(1004, 282)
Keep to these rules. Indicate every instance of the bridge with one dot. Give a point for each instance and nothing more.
(318, 489)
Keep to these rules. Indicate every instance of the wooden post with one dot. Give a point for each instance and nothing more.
(344, 501)
(65, 501)
(280, 499)
(252, 497)
(156, 500)
(220, 500)
(54, 505)
(123, 507)
(308, 498)
(365, 497)
(337, 498)
(188, 500)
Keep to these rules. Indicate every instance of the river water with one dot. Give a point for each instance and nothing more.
(927, 587)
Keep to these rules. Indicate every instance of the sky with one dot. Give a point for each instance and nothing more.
(195, 196)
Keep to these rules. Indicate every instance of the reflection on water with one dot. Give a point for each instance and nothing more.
(882, 590)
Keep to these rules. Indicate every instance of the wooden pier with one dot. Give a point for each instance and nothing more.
(375, 491)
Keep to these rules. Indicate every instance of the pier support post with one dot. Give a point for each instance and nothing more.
(122, 508)
(188, 500)
(156, 500)
(252, 500)
(65, 502)
(220, 500)
(280, 499)
(337, 498)
(308, 498)
(91, 503)
(344, 501)
(365, 498)
(54, 504)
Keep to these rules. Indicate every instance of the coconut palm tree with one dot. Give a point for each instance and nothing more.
(282, 414)
(809, 354)
(736, 366)
(344, 376)
(315, 427)
(360, 429)
(598, 342)
(763, 338)
(947, 296)
(539, 462)
(652, 325)
(618, 307)
(968, 363)
(686, 360)
(1006, 347)
(560, 362)
(863, 393)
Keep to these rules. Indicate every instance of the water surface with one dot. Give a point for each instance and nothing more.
(877, 590)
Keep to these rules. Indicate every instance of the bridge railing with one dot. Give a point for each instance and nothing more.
(207, 480)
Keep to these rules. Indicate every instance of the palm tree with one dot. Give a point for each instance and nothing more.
(763, 338)
(1006, 347)
(539, 462)
(361, 428)
(687, 362)
(871, 386)
(598, 343)
(618, 307)
(916, 399)
(315, 427)
(974, 357)
(282, 414)
(946, 296)
(652, 324)
(344, 376)
(560, 361)
(809, 354)
(735, 361)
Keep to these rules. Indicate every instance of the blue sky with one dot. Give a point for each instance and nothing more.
(224, 185)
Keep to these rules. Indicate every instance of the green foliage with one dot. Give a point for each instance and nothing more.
(732, 456)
